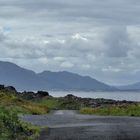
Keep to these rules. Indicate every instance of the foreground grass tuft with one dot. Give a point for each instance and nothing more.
(11, 128)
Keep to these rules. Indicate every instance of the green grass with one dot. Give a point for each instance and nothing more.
(51, 103)
(21, 106)
(11, 128)
(126, 110)
(59, 103)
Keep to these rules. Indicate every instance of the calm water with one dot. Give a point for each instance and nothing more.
(129, 96)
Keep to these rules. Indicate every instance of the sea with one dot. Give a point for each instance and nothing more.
(116, 95)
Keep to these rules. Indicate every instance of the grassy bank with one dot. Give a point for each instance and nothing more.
(126, 110)
(11, 128)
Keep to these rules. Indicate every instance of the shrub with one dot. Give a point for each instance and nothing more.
(11, 128)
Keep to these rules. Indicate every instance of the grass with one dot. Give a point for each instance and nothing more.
(11, 128)
(51, 103)
(59, 103)
(126, 110)
(21, 106)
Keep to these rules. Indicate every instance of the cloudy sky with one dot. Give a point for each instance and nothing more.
(100, 38)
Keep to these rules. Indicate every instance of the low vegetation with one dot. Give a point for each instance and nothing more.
(124, 110)
(59, 103)
(11, 128)
(50, 102)
(11, 106)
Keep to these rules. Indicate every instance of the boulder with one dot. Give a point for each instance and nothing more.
(42, 93)
(2, 87)
(32, 95)
(11, 89)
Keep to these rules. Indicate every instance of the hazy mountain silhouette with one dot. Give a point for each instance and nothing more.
(23, 79)
(135, 86)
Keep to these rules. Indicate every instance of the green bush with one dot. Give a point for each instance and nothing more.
(11, 128)
(11, 105)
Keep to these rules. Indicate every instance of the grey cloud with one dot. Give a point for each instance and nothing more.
(103, 49)
(2, 37)
(119, 12)
(118, 42)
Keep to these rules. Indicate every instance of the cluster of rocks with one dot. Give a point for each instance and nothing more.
(90, 102)
(25, 95)
(8, 88)
(34, 95)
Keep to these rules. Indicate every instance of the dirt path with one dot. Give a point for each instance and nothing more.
(68, 125)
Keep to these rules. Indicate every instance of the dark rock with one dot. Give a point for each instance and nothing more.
(2, 87)
(11, 88)
(72, 97)
(42, 93)
(28, 95)
(71, 100)
(32, 95)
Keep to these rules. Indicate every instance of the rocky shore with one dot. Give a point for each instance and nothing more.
(68, 102)
(90, 102)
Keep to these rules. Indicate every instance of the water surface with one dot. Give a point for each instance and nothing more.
(129, 96)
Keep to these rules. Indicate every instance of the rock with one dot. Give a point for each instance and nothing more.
(42, 93)
(71, 100)
(2, 87)
(71, 97)
(28, 95)
(11, 88)
(32, 95)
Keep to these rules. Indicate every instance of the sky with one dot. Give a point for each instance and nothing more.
(99, 38)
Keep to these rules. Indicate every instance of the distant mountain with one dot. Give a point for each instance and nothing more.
(71, 81)
(131, 87)
(23, 79)
(11, 74)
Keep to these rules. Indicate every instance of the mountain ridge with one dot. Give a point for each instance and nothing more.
(24, 79)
